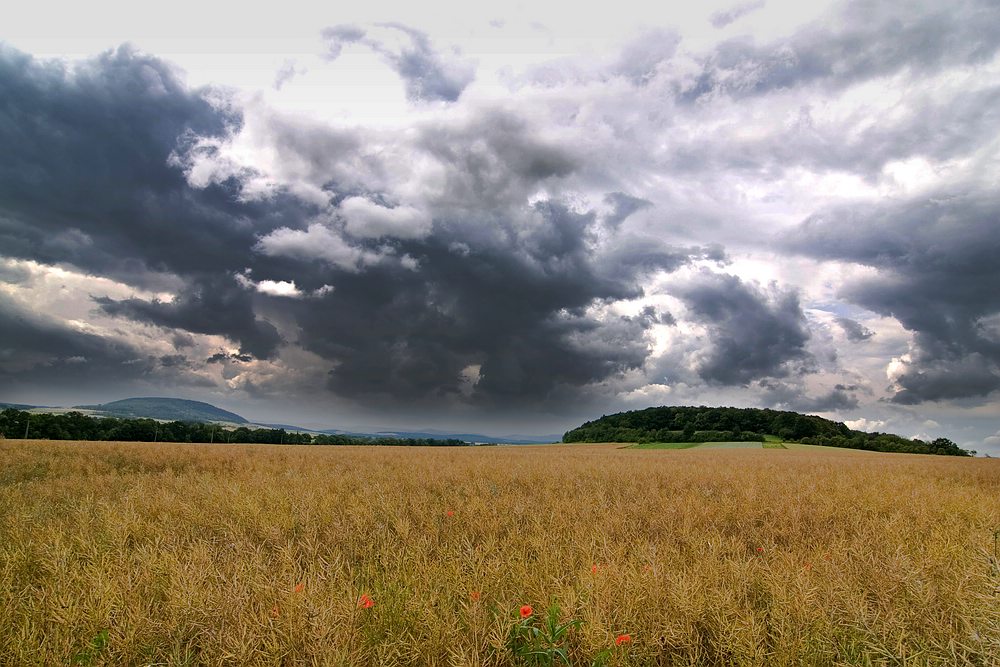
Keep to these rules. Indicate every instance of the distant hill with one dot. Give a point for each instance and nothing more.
(473, 437)
(704, 424)
(448, 435)
(16, 406)
(168, 409)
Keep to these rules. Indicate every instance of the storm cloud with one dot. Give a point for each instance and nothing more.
(42, 356)
(755, 333)
(802, 218)
(87, 182)
(854, 330)
(784, 395)
(513, 309)
(214, 306)
(935, 274)
(494, 314)
(34, 344)
(85, 178)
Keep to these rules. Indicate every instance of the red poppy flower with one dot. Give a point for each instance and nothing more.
(622, 639)
(808, 566)
(526, 611)
(474, 596)
(760, 549)
(275, 611)
(299, 587)
(593, 569)
(450, 513)
(365, 602)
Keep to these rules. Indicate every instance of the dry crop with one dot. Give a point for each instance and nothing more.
(116, 553)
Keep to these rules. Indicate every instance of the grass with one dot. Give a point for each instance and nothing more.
(730, 445)
(141, 554)
(705, 445)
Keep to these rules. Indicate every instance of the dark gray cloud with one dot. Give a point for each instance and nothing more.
(854, 330)
(215, 305)
(220, 357)
(623, 206)
(789, 396)
(427, 73)
(174, 361)
(182, 340)
(937, 275)
(493, 161)
(494, 307)
(864, 41)
(650, 315)
(513, 306)
(951, 378)
(33, 347)
(87, 180)
(38, 354)
(754, 333)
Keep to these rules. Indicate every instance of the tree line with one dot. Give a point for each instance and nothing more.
(706, 424)
(78, 426)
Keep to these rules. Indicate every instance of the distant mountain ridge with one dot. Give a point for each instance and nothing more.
(475, 437)
(169, 409)
(184, 410)
(17, 406)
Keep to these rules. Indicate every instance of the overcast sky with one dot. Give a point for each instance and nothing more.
(433, 216)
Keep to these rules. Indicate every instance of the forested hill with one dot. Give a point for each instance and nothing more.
(178, 409)
(705, 424)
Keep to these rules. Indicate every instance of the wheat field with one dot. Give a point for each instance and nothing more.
(146, 554)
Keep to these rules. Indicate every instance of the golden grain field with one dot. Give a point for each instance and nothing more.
(143, 554)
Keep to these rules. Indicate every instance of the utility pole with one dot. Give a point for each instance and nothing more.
(211, 439)
(156, 430)
(27, 425)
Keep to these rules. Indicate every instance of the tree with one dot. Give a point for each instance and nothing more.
(946, 446)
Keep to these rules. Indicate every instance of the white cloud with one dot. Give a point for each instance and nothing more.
(863, 424)
(279, 288)
(323, 291)
(317, 242)
(366, 219)
(990, 445)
